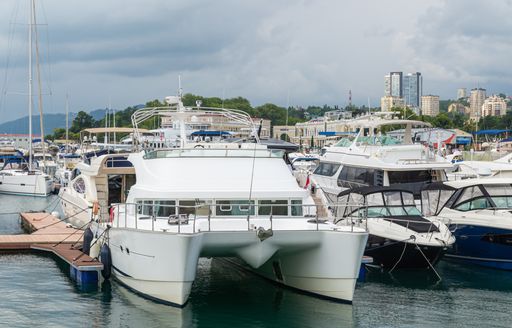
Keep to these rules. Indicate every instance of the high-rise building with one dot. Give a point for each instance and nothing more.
(408, 86)
(395, 84)
(476, 100)
(494, 106)
(387, 85)
(388, 102)
(430, 105)
(412, 89)
(461, 93)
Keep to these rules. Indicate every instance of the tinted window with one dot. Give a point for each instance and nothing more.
(409, 176)
(276, 207)
(356, 176)
(327, 169)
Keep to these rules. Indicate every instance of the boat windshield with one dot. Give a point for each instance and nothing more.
(484, 197)
(378, 204)
(374, 140)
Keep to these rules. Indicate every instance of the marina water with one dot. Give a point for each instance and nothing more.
(36, 289)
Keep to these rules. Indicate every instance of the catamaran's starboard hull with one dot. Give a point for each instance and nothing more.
(162, 265)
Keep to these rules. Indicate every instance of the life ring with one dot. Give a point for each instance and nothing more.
(198, 146)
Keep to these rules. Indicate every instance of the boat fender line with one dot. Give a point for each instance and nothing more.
(106, 259)
(88, 237)
(263, 233)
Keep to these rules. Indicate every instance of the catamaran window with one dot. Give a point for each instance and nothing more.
(234, 207)
(276, 207)
(296, 207)
(145, 207)
(193, 207)
(165, 208)
(327, 169)
(79, 186)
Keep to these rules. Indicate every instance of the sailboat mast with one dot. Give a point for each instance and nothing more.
(67, 123)
(30, 100)
(39, 86)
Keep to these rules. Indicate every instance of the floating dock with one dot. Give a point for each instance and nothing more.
(48, 233)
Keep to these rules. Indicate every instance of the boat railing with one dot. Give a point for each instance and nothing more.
(184, 219)
(214, 152)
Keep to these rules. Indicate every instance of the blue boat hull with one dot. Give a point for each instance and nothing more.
(485, 246)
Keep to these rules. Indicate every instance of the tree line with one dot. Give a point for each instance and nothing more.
(280, 115)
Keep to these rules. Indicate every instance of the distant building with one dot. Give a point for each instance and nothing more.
(408, 86)
(458, 108)
(387, 85)
(461, 93)
(412, 89)
(395, 82)
(388, 102)
(494, 106)
(218, 122)
(476, 100)
(337, 115)
(430, 105)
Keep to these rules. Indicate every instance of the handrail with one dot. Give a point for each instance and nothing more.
(133, 214)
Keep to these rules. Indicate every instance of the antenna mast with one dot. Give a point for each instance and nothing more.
(30, 88)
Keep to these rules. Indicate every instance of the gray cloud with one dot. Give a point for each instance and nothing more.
(131, 51)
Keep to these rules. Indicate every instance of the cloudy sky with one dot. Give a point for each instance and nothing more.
(130, 51)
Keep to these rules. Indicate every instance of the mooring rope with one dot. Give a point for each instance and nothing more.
(401, 255)
(426, 259)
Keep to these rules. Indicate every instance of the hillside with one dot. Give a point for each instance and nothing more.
(51, 122)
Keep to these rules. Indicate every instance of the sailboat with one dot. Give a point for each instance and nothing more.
(21, 178)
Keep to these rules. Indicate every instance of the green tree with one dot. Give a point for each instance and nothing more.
(82, 121)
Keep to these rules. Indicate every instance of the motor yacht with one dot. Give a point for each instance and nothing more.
(103, 179)
(400, 237)
(477, 212)
(223, 200)
(369, 157)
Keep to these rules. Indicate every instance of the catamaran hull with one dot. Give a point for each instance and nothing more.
(389, 254)
(480, 245)
(162, 266)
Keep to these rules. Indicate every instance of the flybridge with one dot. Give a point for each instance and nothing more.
(249, 152)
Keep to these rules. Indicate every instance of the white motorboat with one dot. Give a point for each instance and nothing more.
(400, 237)
(499, 168)
(371, 158)
(103, 180)
(478, 214)
(21, 181)
(223, 200)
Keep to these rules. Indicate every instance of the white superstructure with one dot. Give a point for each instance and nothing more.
(372, 158)
(225, 200)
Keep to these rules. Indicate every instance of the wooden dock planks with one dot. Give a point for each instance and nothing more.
(45, 229)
